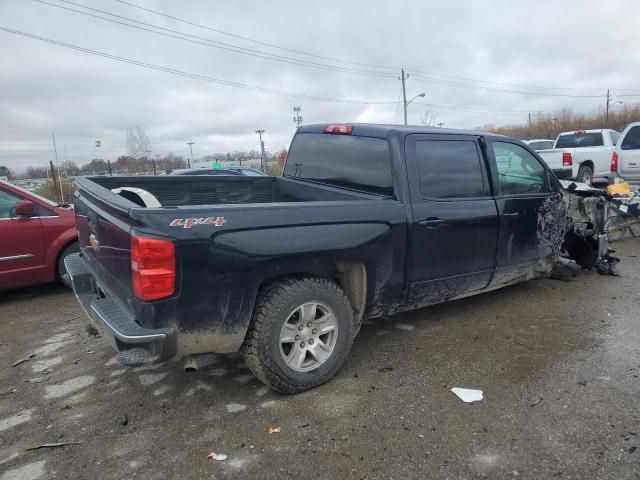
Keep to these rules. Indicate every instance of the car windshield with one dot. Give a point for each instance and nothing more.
(250, 173)
(203, 171)
(580, 139)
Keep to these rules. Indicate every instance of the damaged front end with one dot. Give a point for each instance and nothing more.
(586, 240)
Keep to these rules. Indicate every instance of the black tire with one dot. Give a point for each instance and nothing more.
(276, 302)
(63, 277)
(585, 174)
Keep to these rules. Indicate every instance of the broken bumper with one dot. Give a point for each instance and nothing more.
(135, 344)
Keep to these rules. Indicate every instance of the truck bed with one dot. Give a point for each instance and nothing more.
(179, 191)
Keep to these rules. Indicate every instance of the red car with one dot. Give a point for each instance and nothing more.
(35, 236)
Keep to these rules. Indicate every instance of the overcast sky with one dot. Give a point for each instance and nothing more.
(467, 56)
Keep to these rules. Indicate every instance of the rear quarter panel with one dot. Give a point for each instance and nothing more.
(223, 267)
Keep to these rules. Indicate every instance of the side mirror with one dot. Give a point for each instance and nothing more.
(25, 208)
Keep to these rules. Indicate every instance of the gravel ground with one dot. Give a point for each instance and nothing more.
(558, 362)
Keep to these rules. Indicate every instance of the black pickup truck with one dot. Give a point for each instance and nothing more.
(367, 220)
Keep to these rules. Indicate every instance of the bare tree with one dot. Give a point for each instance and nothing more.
(5, 171)
(137, 142)
(428, 119)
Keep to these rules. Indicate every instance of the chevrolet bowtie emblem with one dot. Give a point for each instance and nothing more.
(95, 244)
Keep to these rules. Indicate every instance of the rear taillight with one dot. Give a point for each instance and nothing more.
(338, 129)
(153, 268)
(614, 162)
(567, 161)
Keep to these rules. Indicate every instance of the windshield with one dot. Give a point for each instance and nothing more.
(577, 140)
(360, 163)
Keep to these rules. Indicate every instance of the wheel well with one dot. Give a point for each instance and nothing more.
(588, 163)
(65, 246)
(351, 276)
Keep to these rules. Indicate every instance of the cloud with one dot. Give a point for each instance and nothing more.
(582, 47)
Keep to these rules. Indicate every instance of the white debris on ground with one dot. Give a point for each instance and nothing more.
(404, 326)
(467, 395)
(235, 407)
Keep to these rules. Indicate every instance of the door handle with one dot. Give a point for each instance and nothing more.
(431, 222)
(511, 214)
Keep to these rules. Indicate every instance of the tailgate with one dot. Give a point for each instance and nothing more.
(553, 158)
(629, 166)
(103, 235)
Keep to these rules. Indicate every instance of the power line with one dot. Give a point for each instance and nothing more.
(194, 75)
(473, 110)
(241, 85)
(430, 75)
(266, 44)
(334, 59)
(265, 55)
(423, 79)
(208, 42)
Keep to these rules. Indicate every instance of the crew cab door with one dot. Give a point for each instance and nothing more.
(531, 211)
(455, 220)
(22, 259)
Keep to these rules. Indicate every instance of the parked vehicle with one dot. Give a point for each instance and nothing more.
(367, 220)
(219, 171)
(251, 172)
(35, 237)
(625, 160)
(203, 171)
(581, 155)
(540, 144)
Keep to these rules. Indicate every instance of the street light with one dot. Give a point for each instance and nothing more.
(407, 104)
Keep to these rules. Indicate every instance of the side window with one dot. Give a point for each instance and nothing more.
(519, 171)
(7, 204)
(614, 137)
(45, 212)
(631, 140)
(449, 169)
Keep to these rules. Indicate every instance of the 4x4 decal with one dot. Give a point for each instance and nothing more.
(190, 222)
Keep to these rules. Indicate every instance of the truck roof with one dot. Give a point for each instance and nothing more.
(383, 130)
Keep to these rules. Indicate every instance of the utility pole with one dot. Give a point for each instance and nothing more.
(154, 163)
(54, 177)
(404, 95)
(606, 120)
(529, 118)
(190, 143)
(146, 156)
(58, 164)
(260, 132)
(297, 119)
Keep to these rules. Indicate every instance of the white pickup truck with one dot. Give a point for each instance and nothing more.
(581, 155)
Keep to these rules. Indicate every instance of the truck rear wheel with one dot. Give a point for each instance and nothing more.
(300, 335)
(585, 174)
